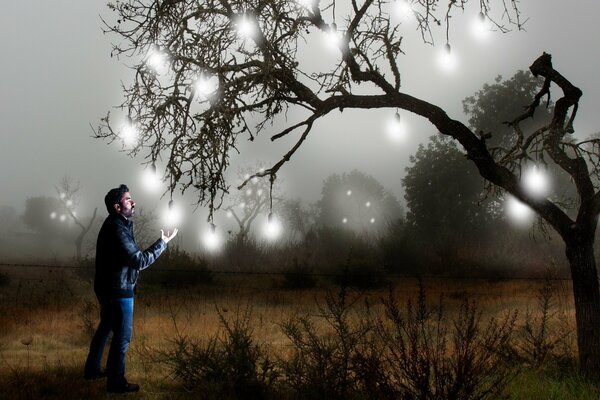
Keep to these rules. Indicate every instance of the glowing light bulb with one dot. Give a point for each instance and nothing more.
(272, 228)
(206, 86)
(368, 204)
(480, 28)
(519, 213)
(151, 180)
(211, 239)
(62, 217)
(249, 192)
(128, 134)
(229, 214)
(172, 215)
(157, 60)
(447, 58)
(404, 10)
(344, 220)
(535, 182)
(244, 27)
(69, 203)
(372, 220)
(333, 38)
(396, 128)
(349, 193)
(53, 215)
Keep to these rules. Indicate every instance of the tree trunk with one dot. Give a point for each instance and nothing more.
(580, 252)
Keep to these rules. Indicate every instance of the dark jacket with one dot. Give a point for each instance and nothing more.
(118, 258)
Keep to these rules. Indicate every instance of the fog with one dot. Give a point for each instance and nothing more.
(58, 80)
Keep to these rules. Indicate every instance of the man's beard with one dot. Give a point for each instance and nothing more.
(128, 213)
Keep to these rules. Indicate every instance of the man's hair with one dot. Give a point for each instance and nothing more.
(113, 197)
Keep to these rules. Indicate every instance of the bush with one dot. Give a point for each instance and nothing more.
(429, 360)
(537, 344)
(229, 366)
(343, 363)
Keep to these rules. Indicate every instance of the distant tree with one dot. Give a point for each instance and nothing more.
(247, 204)
(250, 50)
(68, 194)
(445, 197)
(357, 201)
(9, 219)
(299, 218)
(490, 108)
(46, 215)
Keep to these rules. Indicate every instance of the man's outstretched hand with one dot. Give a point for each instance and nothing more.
(167, 238)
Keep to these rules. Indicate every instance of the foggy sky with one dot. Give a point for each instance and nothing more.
(57, 78)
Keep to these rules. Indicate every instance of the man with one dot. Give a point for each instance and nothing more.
(118, 264)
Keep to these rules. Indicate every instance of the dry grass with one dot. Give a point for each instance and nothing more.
(43, 341)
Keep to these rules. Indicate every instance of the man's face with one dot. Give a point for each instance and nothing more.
(126, 206)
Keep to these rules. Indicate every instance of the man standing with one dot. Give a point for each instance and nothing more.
(118, 264)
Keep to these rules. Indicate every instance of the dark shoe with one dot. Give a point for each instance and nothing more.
(94, 375)
(128, 388)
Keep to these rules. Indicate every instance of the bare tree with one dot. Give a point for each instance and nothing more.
(68, 194)
(195, 126)
(249, 202)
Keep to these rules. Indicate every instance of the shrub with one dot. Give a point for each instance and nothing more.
(537, 343)
(229, 366)
(343, 363)
(429, 360)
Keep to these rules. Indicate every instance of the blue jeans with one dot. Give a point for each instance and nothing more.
(116, 315)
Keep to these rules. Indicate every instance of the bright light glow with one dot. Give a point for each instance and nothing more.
(404, 10)
(242, 205)
(519, 213)
(211, 240)
(259, 192)
(306, 3)
(151, 181)
(75, 213)
(69, 203)
(157, 60)
(249, 192)
(333, 38)
(128, 134)
(535, 182)
(62, 196)
(245, 27)
(206, 86)
(396, 128)
(229, 214)
(63, 217)
(480, 28)
(255, 180)
(272, 229)
(447, 59)
(349, 193)
(172, 217)
(53, 215)
(344, 220)
(368, 204)
(372, 220)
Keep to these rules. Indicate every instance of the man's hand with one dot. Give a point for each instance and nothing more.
(167, 238)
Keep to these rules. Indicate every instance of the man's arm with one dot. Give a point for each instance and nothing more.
(136, 258)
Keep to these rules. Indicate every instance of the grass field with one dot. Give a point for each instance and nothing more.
(47, 317)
